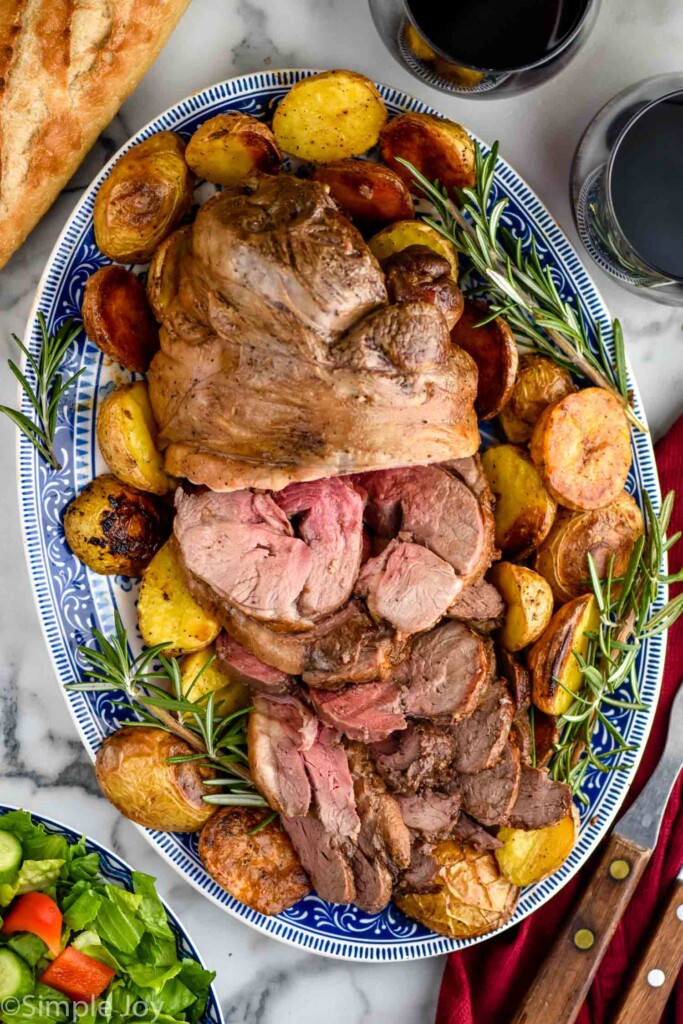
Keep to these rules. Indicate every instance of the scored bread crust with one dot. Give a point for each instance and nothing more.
(66, 67)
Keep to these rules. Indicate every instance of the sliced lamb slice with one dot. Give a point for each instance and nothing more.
(430, 813)
(420, 757)
(324, 859)
(480, 606)
(332, 788)
(446, 673)
(246, 668)
(421, 875)
(364, 711)
(471, 471)
(546, 734)
(521, 735)
(490, 795)
(473, 834)
(517, 677)
(481, 737)
(540, 801)
(280, 730)
(408, 586)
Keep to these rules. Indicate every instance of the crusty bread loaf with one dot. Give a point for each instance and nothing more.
(66, 66)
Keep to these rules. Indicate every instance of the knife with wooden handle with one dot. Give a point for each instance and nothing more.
(562, 984)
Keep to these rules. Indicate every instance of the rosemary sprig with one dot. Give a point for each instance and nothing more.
(47, 390)
(218, 740)
(517, 284)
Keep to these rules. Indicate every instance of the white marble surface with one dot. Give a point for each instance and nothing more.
(42, 765)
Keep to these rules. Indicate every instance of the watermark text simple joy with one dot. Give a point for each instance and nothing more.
(71, 1009)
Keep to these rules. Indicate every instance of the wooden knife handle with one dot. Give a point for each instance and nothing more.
(562, 983)
(647, 994)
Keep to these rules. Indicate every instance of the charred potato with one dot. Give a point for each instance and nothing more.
(474, 897)
(524, 510)
(527, 857)
(113, 528)
(134, 774)
(438, 148)
(529, 604)
(258, 868)
(199, 676)
(369, 194)
(555, 673)
(540, 382)
(228, 147)
(330, 116)
(494, 350)
(607, 534)
(582, 448)
(416, 43)
(163, 276)
(404, 233)
(117, 317)
(126, 435)
(145, 197)
(167, 612)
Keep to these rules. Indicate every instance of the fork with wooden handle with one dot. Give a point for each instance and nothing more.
(562, 984)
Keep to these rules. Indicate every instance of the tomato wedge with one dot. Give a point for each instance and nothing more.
(39, 914)
(77, 975)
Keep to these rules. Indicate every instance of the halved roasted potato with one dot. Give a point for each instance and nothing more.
(417, 43)
(404, 233)
(582, 448)
(540, 382)
(524, 510)
(369, 194)
(466, 77)
(201, 676)
(135, 776)
(167, 612)
(555, 673)
(114, 528)
(228, 147)
(494, 350)
(527, 857)
(144, 199)
(117, 317)
(439, 149)
(607, 534)
(330, 116)
(474, 898)
(528, 600)
(126, 435)
(163, 276)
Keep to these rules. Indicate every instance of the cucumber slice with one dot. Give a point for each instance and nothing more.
(16, 977)
(11, 856)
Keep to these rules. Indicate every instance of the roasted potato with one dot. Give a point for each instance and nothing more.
(258, 868)
(145, 197)
(126, 435)
(529, 604)
(167, 612)
(369, 194)
(117, 317)
(494, 350)
(468, 78)
(163, 276)
(605, 533)
(228, 147)
(438, 148)
(330, 116)
(135, 776)
(527, 857)
(582, 448)
(404, 233)
(524, 510)
(546, 735)
(231, 695)
(416, 43)
(555, 672)
(540, 382)
(474, 897)
(113, 528)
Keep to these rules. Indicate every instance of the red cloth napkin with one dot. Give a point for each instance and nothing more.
(485, 983)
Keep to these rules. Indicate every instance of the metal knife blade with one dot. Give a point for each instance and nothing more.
(642, 821)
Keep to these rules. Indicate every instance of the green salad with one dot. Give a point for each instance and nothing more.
(75, 948)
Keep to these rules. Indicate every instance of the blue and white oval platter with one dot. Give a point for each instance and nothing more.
(72, 600)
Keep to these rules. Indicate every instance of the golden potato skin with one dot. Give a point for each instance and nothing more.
(555, 672)
(582, 448)
(527, 857)
(144, 199)
(529, 604)
(604, 533)
(163, 276)
(261, 870)
(524, 511)
(404, 233)
(126, 435)
(474, 899)
(228, 147)
(167, 612)
(368, 194)
(134, 775)
(114, 528)
(438, 148)
(540, 383)
(118, 319)
(494, 350)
